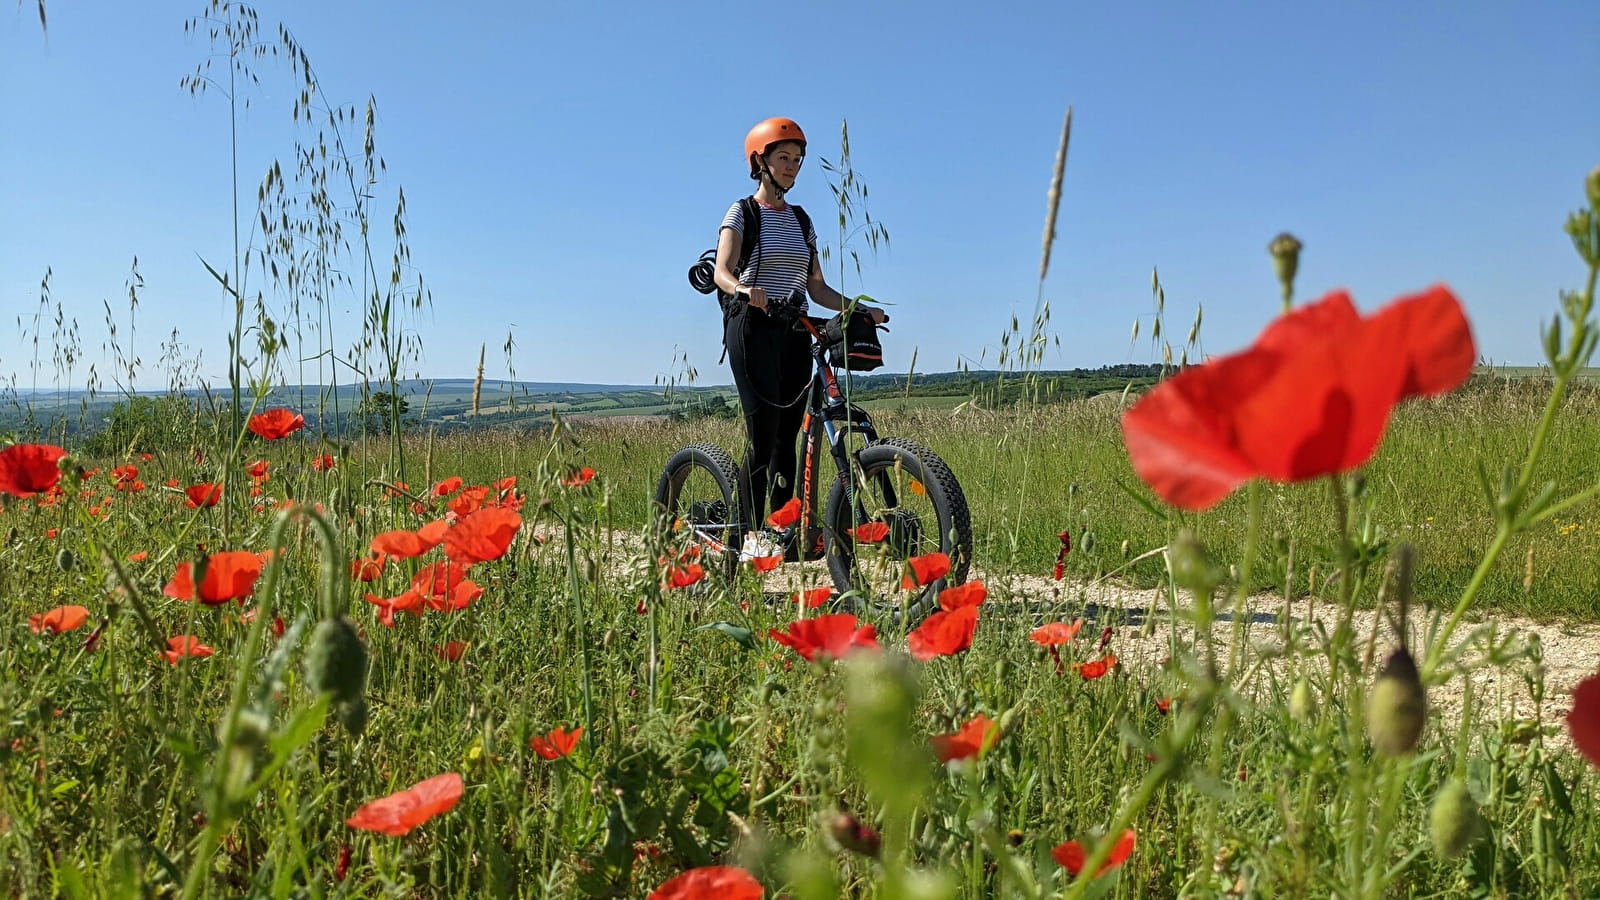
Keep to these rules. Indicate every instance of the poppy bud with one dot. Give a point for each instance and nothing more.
(1086, 541)
(1453, 820)
(249, 731)
(64, 559)
(337, 661)
(1192, 568)
(1592, 187)
(1300, 700)
(1397, 708)
(353, 716)
(1285, 250)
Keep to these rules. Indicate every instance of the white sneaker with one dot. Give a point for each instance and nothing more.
(759, 544)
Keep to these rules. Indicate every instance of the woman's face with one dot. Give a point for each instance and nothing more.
(784, 160)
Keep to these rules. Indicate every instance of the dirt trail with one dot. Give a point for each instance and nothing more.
(1571, 651)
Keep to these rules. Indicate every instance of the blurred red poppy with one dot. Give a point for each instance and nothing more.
(1312, 396)
(973, 593)
(766, 563)
(258, 469)
(943, 634)
(1071, 855)
(813, 598)
(367, 568)
(27, 469)
(448, 486)
(482, 536)
(58, 620)
(579, 478)
(974, 739)
(683, 576)
(139, 556)
(323, 463)
(826, 637)
(870, 532)
(276, 423)
(1097, 668)
(398, 813)
(433, 532)
(1056, 633)
(1584, 719)
(451, 651)
(185, 645)
(505, 485)
(710, 883)
(785, 515)
(229, 575)
(557, 743)
(401, 544)
(923, 570)
(203, 494)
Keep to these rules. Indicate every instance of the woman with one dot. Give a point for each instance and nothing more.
(771, 360)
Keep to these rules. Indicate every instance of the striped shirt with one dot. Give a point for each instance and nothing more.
(781, 264)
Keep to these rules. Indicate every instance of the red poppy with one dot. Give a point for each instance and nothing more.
(785, 515)
(924, 570)
(1584, 719)
(229, 575)
(323, 463)
(505, 485)
(276, 423)
(557, 743)
(258, 469)
(146, 457)
(448, 486)
(973, 593)
(368, 568)
(1164, 705)
(579, 478)
(870, 532)
(1061, 555)
(1056, 633)
(203, 494)
(445, 587)
(398, 813)
(974, 738)
(139, 556)
(27, 469)
(1096, 668)
(830, 636)
(1311, 397)
(124, 477)
(58, 620)
(409, 601)
(1071, 855)
(710, 883)
(185, 645)
(766, 563)
(482, 536)
(943, 634)
(813, 598)
(681, 577)
(434, 531)
(401, 544)
(451, 651)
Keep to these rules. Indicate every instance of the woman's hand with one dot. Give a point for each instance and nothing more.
(756, 297)
(878, 316)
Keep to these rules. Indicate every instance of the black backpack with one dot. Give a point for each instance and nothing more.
(702, 275)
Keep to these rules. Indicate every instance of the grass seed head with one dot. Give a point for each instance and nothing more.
(1397, 708)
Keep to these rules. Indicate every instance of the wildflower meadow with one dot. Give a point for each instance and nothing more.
(248, 654)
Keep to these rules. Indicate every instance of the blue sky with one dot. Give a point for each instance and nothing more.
(564, 163)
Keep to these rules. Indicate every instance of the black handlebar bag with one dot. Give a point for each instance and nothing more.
(854, 346)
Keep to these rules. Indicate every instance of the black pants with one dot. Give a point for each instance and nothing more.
(771, 368)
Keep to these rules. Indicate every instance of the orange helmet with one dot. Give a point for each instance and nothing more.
(772, 131)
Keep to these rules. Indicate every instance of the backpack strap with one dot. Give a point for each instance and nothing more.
(806, 233)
